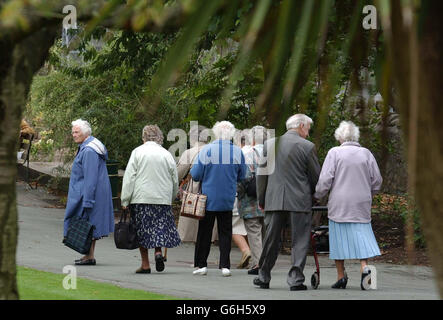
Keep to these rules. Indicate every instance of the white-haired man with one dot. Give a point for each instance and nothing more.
(89, 187)
(219, 166)
(286, 194)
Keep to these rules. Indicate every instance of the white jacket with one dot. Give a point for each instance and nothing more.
(150, 176)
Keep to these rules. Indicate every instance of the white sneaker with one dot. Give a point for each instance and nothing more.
(201, 272)
(226, 272)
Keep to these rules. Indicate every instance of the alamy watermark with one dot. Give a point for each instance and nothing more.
(266, 162)
(370, 20)
(70, 20)
(70, 281)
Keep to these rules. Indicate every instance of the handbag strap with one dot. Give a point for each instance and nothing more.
(189, 177)
(124, 215)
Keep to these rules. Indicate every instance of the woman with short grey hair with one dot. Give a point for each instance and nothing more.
(90, 193)
(152, 133)
(218, 167)
(351, 176)
(347, 132)
(223, 130)
(149, 187)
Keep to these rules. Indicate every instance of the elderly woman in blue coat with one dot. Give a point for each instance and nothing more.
(89, 187)
(351, 176)
(219, 166)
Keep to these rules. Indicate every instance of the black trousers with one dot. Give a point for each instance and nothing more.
(204, 236)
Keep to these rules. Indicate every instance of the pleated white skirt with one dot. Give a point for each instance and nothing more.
(352, 241)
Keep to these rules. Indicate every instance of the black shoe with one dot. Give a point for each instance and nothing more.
(260, 283)
(365, 278)
(86, 262)
(141, 270)
(340, 284)
(299, 287)
(159, 262)
(253, 271)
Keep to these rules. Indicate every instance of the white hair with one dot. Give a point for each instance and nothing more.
(296, 120)
(223, 130)
(259, 134)
(84, 126)
(347, 131)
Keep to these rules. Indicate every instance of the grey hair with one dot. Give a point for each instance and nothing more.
(296, 120)
(84, 126)
(152, 133)
(244, 136)
(223, 130)
(259, 134)
(196, 131)
(347, 131)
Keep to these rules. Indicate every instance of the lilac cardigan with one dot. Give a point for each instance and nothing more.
(351, 174)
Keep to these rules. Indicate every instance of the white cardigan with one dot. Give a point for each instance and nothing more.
(150, 176)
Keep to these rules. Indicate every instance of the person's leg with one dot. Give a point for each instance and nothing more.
(145, 258)
(301, 239)
(91, 252)
(340, 265)
(203, 243)
(254, 229)
(240, 242)
(363, 264)
(224, 225)
(271, 244)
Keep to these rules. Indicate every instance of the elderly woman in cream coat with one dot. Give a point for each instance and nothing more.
(188, 227)
(351, 176)
(149, 186)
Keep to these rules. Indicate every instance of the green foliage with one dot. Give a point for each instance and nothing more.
(389, 206)
(117, 118)
(43, 148)
(203, 89)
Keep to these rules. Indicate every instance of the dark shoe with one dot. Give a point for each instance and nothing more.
(253, 271)
(159, 262)
(299, 287)
(340, 284)
(261, 284)
(141, 270)
(86, 262)
(365, 279)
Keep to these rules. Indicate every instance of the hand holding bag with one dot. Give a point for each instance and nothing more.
(193, 204)
(125, 234)
(79, 234)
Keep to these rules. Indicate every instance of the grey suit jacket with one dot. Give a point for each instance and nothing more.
(287, 174)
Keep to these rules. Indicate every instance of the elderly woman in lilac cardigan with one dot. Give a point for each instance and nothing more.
(351, 176)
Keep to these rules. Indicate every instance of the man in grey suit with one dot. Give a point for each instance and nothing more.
(286, 180)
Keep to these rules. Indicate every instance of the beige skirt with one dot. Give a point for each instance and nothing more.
(238, 226)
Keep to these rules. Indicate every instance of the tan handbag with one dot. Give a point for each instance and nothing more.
(193, 204)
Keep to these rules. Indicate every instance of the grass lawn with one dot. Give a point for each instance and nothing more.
(38, 285)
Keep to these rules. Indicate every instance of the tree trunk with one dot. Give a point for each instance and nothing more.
(429, 182)
(18, 63)
(426, 153)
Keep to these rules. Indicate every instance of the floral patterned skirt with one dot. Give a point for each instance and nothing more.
(155, 225)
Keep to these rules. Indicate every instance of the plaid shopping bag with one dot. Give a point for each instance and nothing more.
(79, 235)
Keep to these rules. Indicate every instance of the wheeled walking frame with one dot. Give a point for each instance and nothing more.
(319, 244)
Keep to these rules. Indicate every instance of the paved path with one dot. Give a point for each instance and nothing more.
(40, 247)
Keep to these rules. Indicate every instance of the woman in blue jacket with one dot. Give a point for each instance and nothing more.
(89, 187)
(219, 166)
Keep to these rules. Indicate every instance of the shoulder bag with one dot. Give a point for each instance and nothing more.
(125, 233)
(193, 204)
